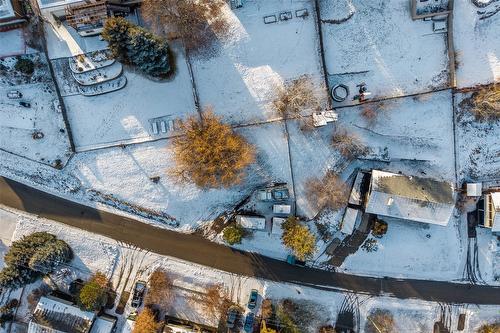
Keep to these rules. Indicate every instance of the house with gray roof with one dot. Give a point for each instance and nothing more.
(410, 198)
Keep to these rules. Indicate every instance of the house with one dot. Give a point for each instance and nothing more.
(55, 315)
(11, 15)
(492, 211)
(251, 222)
(410, 198)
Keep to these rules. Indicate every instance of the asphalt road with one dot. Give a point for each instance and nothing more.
(198, 250)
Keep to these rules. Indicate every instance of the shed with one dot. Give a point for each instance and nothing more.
(410, 198)
(356, 196)
(251, 222)
(351, 219)
(492, 211)
(282, 209)
(103, 324)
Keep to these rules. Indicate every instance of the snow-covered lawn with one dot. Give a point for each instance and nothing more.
(125, 116)
(239, 80)
(379, 44)
(477, 44)
(478, 144)
(413, 250)
(120, 177)
(18, 123)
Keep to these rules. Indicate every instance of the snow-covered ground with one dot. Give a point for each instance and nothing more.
(239, 80)
(478, 146)
(18, 123)
(416, 250)
(377, 42)
(477, 43)
(190, 281)
(126, 115)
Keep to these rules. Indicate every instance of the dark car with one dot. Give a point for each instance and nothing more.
(137, 297)
(252, 301)
(25, 104)
(232, 315)
(248, 327)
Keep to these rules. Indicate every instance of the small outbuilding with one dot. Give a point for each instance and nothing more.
(251, 222)
(492, 211)
(282, 209)
(351, 220)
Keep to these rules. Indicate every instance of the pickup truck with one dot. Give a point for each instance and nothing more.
(294, 261)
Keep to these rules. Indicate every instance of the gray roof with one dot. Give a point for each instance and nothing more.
(410, 198)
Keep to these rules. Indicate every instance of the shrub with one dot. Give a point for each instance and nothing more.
(486, 103)
(379, 228)
(327, 329)
(146, 322)
(233, 234)
(209, 153)
(489, 328)
(160, 290)
(197, 22)
(93, 294)
(298, 238)
(380, 321)
(136, 46)
(296, 96)
(370, 245)
(30, 257)
(267, 309)
(25, 66)
(348, 145)
(327, 192)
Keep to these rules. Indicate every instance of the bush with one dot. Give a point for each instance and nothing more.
(25, 66)
(296, 96)
(267, 309)
(327, 192)
(348, 145)
(298, 238)
(160, 291)
(146, 322)
(93, 294)
(233, 234)
(136, 46)
(486, 103)
(210, 154)
(30, 257)
(380, 321)
(379, 228)
(489, 328)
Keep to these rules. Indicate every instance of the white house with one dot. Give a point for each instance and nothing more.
(410, 198)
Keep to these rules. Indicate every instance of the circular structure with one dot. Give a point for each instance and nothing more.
(340, 92)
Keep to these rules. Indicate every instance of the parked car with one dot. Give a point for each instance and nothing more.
(252, 301)
(232, 315)
(25, 104)
(138, 296)
(248, 327)
(294, 261)
(14, 94)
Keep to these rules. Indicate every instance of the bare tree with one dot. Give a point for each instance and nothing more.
(328, 192)
(216, 301)
(196, 22)
(486, 103)
(348, 145)
(295, 96)
(160, 291)
(380, 321)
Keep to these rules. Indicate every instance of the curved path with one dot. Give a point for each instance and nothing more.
(198, 250)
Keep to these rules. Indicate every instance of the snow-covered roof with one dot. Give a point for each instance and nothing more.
(474, 189)
(282, 209)
(352, 217)
(277, 222)
(54, 3)
(251, 222)
(54, 315)
(103, 325)
(411, 198)
(495, 199)
(355, 197)
(6, 9)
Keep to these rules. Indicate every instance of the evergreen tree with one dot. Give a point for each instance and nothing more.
(13, 277)
(93, 294)
(115, 32)
(298, 238)
(50, 256)
(147, 52)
